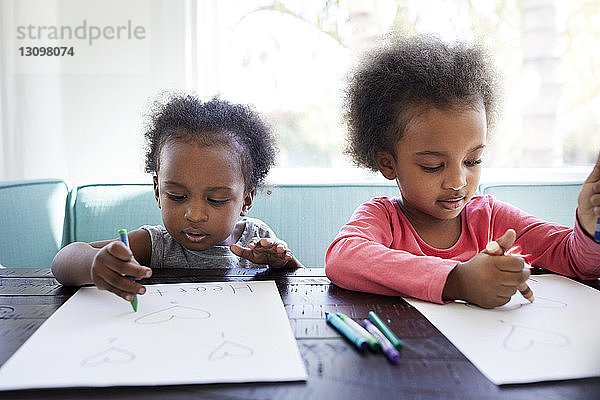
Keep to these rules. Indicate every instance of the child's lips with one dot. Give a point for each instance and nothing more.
(452, 203)
(194, 236)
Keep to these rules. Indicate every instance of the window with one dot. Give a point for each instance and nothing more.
(290, 59)
(62, 116)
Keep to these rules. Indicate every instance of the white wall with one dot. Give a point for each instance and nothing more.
(81, 118)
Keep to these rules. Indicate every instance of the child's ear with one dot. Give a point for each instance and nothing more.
(247, 205)
(156, 194)
(386, 164)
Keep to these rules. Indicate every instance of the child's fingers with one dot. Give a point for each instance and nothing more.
(509, 264)
(130, 269)
(501, 300)
(269, 243)
(118, 250)
(256, 243)
(118, 281)
(278, 250)
(511, 271)
(243, 252)
(506, 291)
(128, 295)
(513, 280)
(506, 241)
(125, 294)
(109, 271)
(120, 285)
(522, 287)
(278, 261)
(133, 269)
(493, 249)
(129, 266)
(274, 254)
(525, 274)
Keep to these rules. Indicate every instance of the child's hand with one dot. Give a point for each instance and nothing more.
(588, 202)
(488, 280)
(111, 263)
(275, 253)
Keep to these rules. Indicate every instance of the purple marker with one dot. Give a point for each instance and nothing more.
(386, 346)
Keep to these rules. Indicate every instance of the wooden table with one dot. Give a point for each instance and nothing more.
(431, 366)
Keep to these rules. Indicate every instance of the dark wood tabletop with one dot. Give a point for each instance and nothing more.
(430, 368)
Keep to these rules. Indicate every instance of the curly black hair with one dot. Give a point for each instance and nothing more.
(186, 118)
(406, 75)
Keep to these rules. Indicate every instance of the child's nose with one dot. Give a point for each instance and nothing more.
(196, 212)
(455, 178)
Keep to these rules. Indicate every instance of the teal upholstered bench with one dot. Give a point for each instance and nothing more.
(98, 211)
(32, 221)
(307, 217)
(553, 202)
(38, 217)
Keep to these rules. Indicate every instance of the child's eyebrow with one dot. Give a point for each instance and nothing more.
(208, 189)
(174, 184)
(441, 153)
(215, 188)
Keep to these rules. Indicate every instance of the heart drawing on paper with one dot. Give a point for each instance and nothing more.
(230, 349)
(112, 355)
(540, 302)
(167, 314)
(6, 310)
(544, 302)
(522, 338)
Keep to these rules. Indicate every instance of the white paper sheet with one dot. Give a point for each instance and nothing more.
(555, 337)
(181, 334)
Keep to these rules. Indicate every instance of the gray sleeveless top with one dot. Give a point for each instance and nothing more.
(168, 253)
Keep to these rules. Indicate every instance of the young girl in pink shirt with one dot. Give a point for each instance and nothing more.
(419, 111)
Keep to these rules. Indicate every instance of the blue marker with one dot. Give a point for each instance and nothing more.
(123, 237)
(597, 233)
(345, 330)
(373, 343)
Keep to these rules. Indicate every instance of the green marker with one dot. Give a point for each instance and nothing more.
(123, 237)
(348, 332)
(373, 343)
(385, 330)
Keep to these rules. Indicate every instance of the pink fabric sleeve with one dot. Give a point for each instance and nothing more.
(361, 258)
(557, 248)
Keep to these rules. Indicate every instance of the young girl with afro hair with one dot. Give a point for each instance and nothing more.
(419, 112)
(207, 160)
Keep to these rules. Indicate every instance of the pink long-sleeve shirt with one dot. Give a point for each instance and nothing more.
(379, 251)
